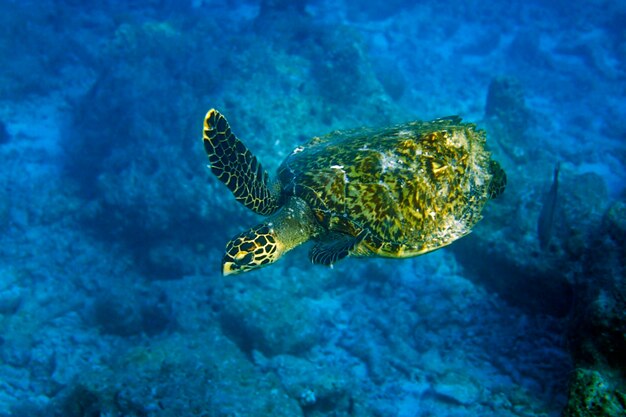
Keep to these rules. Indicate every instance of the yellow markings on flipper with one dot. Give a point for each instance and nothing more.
(235, 166)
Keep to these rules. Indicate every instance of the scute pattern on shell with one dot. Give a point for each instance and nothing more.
(413, 187)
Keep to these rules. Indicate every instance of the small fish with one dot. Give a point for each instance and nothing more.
(546, 217)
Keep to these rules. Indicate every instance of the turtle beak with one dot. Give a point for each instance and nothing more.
(229, 268)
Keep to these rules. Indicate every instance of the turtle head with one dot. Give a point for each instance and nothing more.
(252, 249)
(265, 243)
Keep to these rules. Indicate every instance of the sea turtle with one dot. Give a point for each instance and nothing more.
(395, 192)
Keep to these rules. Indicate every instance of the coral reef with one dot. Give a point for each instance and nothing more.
(317, 391)
(343, 75)
(112, 229)
(593, 395)
(164, 380)
(127, 315)
(271, 319)
(139, 169)
(598, 324)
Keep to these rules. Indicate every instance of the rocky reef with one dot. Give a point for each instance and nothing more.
(579, 276)
(112, 228)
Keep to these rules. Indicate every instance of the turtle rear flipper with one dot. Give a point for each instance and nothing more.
(498, 180)
(234, 165)
(334, 247)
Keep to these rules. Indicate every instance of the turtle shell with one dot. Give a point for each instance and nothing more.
(412, 188)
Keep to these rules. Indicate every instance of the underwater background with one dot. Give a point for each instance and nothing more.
(113, 228)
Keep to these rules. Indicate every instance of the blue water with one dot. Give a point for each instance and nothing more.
(113, 228)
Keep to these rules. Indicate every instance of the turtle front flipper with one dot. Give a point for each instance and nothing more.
(234, 165)
(334, 247)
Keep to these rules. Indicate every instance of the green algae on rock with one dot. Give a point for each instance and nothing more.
(592, 394)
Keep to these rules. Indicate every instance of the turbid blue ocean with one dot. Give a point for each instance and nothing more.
(113, 227)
